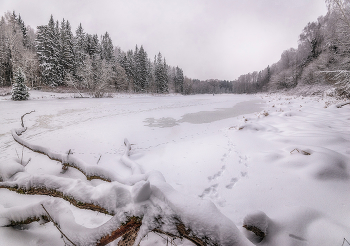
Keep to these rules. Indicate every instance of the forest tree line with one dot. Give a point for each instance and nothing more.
(322, 57)
(54, 56)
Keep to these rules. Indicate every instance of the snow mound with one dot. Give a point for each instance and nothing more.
(257, 219)
(257, 127)
(257, 224)
(141, 191)
(320, 163)
(9, 168)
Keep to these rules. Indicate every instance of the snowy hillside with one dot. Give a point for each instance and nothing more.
(280, 163)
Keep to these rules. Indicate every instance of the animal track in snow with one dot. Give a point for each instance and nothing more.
(212, 193)
(218, 174)
(232, 183)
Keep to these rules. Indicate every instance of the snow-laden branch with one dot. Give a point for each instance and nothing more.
(61, 215)
(106, 198)
(91, 172)
(135, 168)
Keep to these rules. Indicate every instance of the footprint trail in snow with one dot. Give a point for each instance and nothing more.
(233, 167)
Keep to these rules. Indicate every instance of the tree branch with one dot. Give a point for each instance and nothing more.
(25, 115)
(55, 224)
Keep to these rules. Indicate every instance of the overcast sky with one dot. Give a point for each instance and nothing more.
(208, 39)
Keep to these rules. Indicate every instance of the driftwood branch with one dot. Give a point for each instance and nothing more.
(22, 123)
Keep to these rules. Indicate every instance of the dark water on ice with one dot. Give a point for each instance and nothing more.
(202, 117)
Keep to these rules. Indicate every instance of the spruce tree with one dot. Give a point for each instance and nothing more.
(19, 89)
(92, 45)
(160, 75)
(107, 48)
(79, 50)
(24, 31)
(67, 53)
(141, 70)
(48, 51)
(6, 66)
(179, 80)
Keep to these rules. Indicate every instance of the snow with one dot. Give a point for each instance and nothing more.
(214, 160)
(257, 219)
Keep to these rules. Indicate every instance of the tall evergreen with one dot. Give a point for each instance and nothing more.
(179, 80)
(67, 53)
(160, 75)
(79, 50)
(140, 70)
(127, 62)
(92, 45)
(48, 51)
(150, 76)
(19, 89)
(107, 52)
(24, 31)
(6, 71)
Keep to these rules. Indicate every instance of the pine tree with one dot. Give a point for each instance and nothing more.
(107, 52)
(136, 84)
(150, 76)
(66, 47)
(19, 89)
(179, 80)
(6, 67)
(24, 31)
(127, 62)
(160, 75)
(79, 50)
(141, 69)
(48, 51)
(92, 45)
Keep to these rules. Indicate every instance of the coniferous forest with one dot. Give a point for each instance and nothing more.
(55, 55)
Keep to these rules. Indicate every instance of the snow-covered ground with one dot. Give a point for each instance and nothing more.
(288, 157)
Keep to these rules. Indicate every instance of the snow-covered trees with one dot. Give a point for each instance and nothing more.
(53, 56)
(19, 89)
(322, 56)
